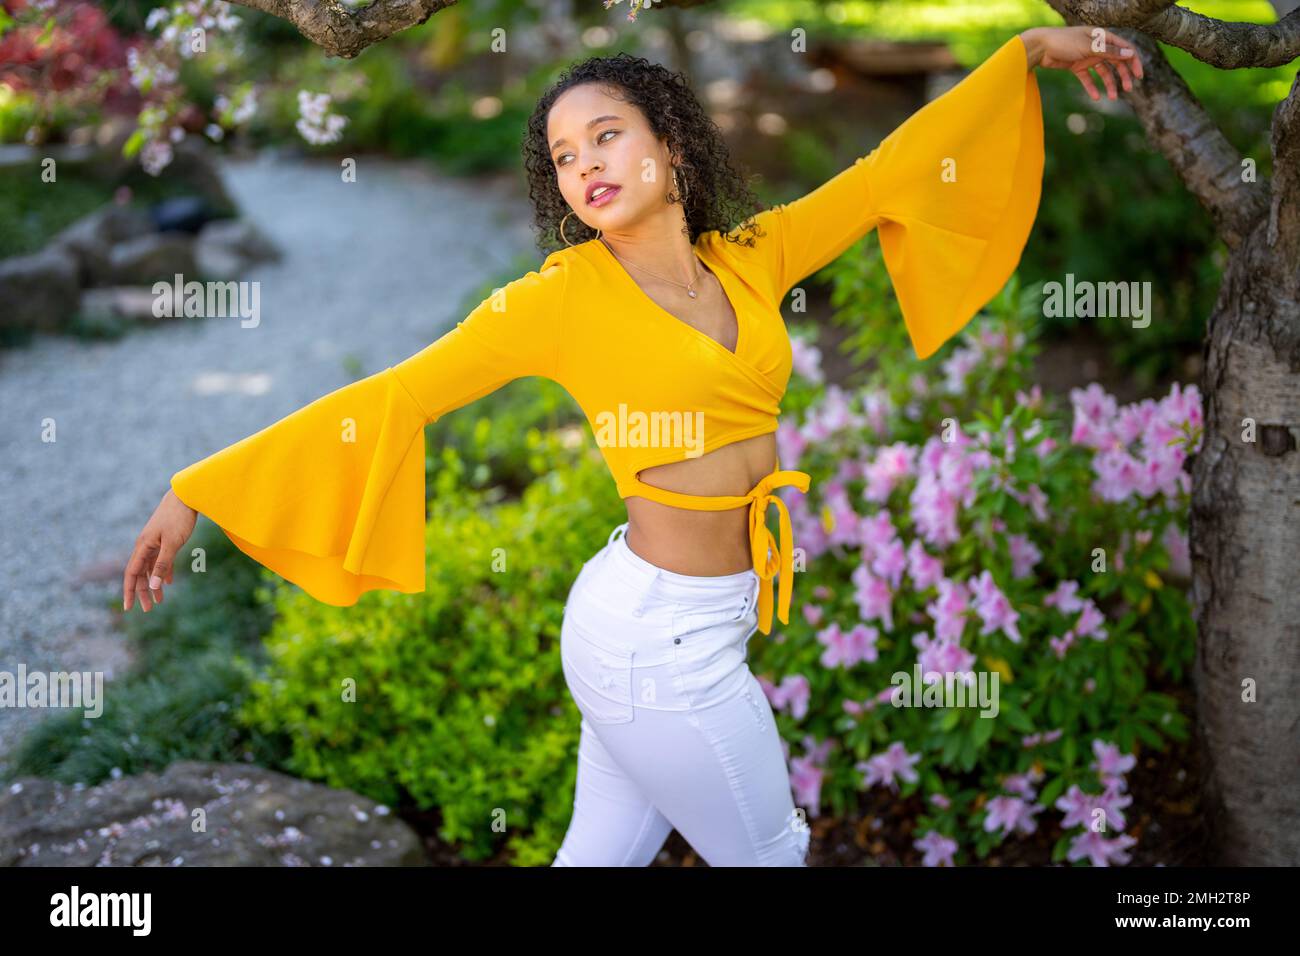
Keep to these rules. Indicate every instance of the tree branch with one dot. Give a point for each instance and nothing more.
(1221, 43)
(1187, 136)
(1284, 215)
(340, 31)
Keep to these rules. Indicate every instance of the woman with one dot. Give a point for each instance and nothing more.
(664, 324)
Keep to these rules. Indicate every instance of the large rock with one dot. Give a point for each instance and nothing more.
(252, 817)
(38, 291)
(91, 239)
(149, 258)
(227, 247)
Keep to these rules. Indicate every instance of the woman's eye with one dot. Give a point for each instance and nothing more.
(561, 159)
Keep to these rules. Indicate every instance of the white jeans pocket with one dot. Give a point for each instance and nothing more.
(598, 673)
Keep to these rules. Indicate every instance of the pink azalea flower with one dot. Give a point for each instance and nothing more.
(873, 597)
(884, 767)
(1063, 598)
(923, 568)
(948, 611)
(1099, 850)
(1090, 622)
(938, 849)
(938, 658)
(1021, 784)
(875, 532)
(1011, 814)
(1033, 399)
(790, 444)
(890, 562)
(1109, 759)
(794, 692)
(1024, 555)
(1061, 644)
(806, 779)
(892, 464)
(806, 359)
(993, 607)
(1080, 808)
(846, 650)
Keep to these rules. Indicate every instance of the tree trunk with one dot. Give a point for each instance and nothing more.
(1245, 541)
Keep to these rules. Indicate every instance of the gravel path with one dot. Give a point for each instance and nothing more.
(373, 271)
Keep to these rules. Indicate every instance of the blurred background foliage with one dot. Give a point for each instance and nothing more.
(1111, 208)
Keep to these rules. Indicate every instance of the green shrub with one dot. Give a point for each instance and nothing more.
(452, 699)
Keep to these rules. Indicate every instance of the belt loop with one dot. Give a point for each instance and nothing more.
(639, 610)
(617, 529)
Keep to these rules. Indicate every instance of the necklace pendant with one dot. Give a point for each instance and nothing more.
(691, 293)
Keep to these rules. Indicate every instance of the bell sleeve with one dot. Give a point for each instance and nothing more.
(953, 191)
(332, 496)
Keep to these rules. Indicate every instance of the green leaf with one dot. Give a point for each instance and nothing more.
(133, 143)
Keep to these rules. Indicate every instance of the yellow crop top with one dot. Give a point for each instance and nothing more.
(332, 496)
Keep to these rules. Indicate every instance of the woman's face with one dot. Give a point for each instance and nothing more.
(595, 138)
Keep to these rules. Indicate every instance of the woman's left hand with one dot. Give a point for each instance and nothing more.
(1075, 49)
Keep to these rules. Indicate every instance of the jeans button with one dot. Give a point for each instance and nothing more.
(677, 640)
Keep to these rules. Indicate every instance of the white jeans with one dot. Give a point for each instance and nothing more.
(676, 733)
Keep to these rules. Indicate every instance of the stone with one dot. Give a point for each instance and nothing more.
(151, 258)
(119, 302)
(38, 291)
(227, 247)
(251, 816)
(91, 239)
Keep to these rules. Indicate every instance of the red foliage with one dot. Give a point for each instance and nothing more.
(82, 46)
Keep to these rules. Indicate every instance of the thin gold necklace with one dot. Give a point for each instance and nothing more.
(688, 286)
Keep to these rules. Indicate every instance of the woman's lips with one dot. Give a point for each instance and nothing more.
(606, 196)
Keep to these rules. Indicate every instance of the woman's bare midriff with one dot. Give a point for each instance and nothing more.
(701, 543)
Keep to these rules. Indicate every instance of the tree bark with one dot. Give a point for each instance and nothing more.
(1245, 539)
(1245, 509)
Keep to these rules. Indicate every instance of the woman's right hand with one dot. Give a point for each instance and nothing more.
(150, 567)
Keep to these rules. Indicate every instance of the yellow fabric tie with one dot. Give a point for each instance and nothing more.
(769, 557)
(769, 554)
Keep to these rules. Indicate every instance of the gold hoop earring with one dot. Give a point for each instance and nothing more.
(681, 195)
(566, 238)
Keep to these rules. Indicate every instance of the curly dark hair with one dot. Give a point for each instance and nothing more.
(717, 197)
